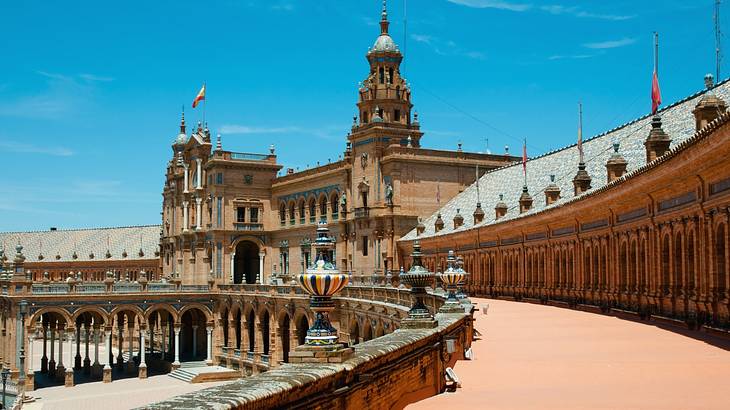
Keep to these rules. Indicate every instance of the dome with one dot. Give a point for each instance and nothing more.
(384, 43)
(181, 139)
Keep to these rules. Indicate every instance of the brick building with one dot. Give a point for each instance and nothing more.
(229, 216)
(641, 226)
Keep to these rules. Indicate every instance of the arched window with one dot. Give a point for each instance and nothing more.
(323, 208)
(381, 75)
(632, 267)
(665, 265)
(292, 217)
(691, 262)
(301, 211)
(364, 117)
(397, 92)
(720, 261)
(282, 213)
(334, 205)
(642, 265)
(312, 210)
(678, 265)
(390, 75)
(622, 267)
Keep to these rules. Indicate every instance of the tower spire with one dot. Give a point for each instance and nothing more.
(182, 121)
(384, 20)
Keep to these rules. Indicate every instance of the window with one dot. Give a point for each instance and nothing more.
(382, 75)
(365, 245)
(282, 213)
(219, 259)
(253, 214)
(390, 75)
(291, 213)
(312, 210)
(397, 92)
(323, 208)
(396, 115)
(364, 117)
(219, 178)
(219, 206)
(380, 113)
(240, 214)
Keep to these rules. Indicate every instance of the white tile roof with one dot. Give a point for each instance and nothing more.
(84, 242)
(677, 121)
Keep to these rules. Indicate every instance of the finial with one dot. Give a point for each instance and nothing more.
(354, 120)
(384, 21)
(182, 121)
(410, 142)
(615, 147)
(415, 117)
(552, 177)
(218, 145)
(385, 11)
(501, 197)
(506, 150)
(709, 81)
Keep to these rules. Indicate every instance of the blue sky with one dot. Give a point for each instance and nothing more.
(91, 92)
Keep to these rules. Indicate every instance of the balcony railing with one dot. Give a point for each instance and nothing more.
(248, 226)
(362, 212)
(246, 156)
(335, 216)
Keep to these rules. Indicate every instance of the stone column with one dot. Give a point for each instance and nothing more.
(69, 376)
(261, 268)
(195, 340)
(108, 365)
(30, 373)
(52, 363)
(163, 327)
(96, 367)
(185, 178)
(176, 363)
(120, 341)
(209, 358)
(77, 358)
(152, 338)
(142, 365)
(87, 360)
(198, 214)
(130, 349)
(199, 174)
(44, 359)
(233, 266)
(60, 369)
(186, 220)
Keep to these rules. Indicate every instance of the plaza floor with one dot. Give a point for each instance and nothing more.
(121, 393)
(543, 357)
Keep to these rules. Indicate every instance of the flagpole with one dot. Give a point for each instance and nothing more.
(205, 87)
(656, 53)
(524, 164)
(580, 130)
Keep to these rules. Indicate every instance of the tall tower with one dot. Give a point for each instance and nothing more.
(384, 96)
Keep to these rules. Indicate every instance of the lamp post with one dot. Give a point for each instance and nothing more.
(21, 374)
(4, 374)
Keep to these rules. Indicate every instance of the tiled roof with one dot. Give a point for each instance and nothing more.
(84, 242)
(677, 121)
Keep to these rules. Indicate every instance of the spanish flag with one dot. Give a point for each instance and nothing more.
(200, 96)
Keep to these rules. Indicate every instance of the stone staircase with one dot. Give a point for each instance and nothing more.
(198, 372)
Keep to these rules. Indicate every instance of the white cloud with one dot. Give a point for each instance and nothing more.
(20, 148)
(492, 4)
(446, 47)
(92, 77)
(610, 44)
(233, 129)
(555, 9)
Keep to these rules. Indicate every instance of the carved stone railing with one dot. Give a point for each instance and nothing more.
(50, 288)
(161, 287)
(91, 288)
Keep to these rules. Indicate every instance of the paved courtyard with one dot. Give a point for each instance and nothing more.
(542, 357)
(119, 395)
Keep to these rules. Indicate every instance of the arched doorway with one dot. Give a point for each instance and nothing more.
(302, 327)
(246, 263)
(264, 319)
(284, 335)
(193, 340)
(354, 332)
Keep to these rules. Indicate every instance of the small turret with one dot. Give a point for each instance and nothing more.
(552, 192)
(616, 164)
(525, 200)
(500, 209)
(658, 141)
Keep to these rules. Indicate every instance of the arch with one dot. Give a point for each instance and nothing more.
(367, 331)
(265, 322)
(284, 333)
(251, 329)
(354, 332)
(90, 309)
(193, 340)
(302, 324)
(193, 305)
(379, 330)
(323, 207)
(302, 209)
(63, 313)
(678, 277)
(160, 307)
(282, 212)
(312, 209)
(335, 203)
(623, 268)
(633, 274)
(666, 265)
(246, 264)
(720, 259)
(127, 308)
(292, 208)
(691, 284)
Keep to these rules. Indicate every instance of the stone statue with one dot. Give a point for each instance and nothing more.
(343, 203)
(389, 194)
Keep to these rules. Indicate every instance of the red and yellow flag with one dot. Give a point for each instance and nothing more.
(199, 97)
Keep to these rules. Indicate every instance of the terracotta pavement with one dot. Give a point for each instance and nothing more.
(542, 357)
